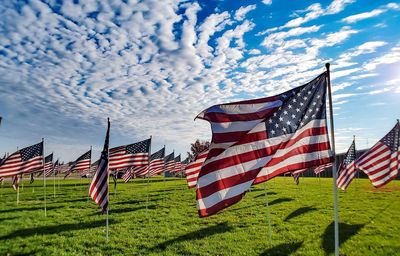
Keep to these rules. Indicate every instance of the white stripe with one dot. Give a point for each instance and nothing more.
(244, 108)
(237, 126)
(385, 178)
(374, 163)
(223, 194)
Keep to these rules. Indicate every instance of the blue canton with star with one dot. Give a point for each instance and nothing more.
(350, 155)
(300, 106)
(31, 152)
(392, 138)
(158, 155)
(138, 147)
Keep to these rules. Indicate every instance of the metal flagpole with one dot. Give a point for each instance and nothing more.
(108, 180)
(148, 181)
(165, 189)
(17, 182)
(334, 169)
(268, 215)
(44, 180)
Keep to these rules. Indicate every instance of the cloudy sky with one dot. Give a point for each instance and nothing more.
(151, 66)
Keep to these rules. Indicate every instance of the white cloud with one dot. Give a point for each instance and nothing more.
(267, 2)
(362, 16)
(241, 13)
(279, 37)
(393, 56)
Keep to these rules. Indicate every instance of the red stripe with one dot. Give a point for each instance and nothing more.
(220, 205)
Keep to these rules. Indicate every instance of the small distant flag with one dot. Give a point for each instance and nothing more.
(157, 162)
(347, 170)
(82, 164)
(382, 162)
(98, 189)
(192, 169)
(25, 160)
(296, 175)
(136, 154)
(178, 164)
(255, 140)
(48, 165)
(32, 179)
(321, 168)
(169, 163)
(128, 174)
(15, 182)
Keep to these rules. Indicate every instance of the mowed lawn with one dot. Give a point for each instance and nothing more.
(160, 218)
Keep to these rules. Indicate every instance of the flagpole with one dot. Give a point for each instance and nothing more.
(44, 180)
(268, 215)
(164, 178)
(17, 191)
(334, 169)
(108, 176)
(148, 180)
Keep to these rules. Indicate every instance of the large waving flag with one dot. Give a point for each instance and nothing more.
(347, 170)
(382, 162)
(136, 154)
(256, 140)
(81, 165)
(98, 189)
(25, 160)
(192, 169)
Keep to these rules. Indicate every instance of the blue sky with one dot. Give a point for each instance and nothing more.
(151, 66)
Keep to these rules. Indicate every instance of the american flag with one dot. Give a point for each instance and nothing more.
(321, 168)
(296, 175)
(192, 169)
(157, 162)
(382, 162)
(48, 165)
(169, 163)
(347, 170)
(178, 164)
(98, 189)
(81, 165)
(256, 140)
(25, 160)
(56, 167)
(128, 174)
(184, 163)
(136, 154)
(15, 182)
(140, 171)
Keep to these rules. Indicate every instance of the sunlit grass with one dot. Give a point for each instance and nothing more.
(161, 218)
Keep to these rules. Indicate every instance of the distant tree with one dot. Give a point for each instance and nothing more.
(197, 147)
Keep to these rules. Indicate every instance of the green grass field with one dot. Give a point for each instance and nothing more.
(301, 220)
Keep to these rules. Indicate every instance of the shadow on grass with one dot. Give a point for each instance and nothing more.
(54, 229)
(346, 231)
(280, 200)
(195, 235)
(124, 210)
(29, 209)
(143, 180)
(133, 202)
(263, 195)
(300, 211)
(283, 249)
(8, 218)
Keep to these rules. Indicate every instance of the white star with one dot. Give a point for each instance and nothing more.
(309, 92)
(305, 116)
(272, 132)
(270, 121)
(280, 118)
(319, 96)
(275, 114)
(301, 103)
(285, 112)
(288, 123)
(304, 98)
(294, 100)
(276, 125)
(289, 106)
(293, 116)
(297, 109)
(284, 129)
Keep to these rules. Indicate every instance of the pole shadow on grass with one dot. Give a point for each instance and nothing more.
(346, 231)
(263, 194)
(280, 200)
(282, 249)
(195, 235)
(125, 210)
(29, 209)
(300, 211)
(54, 229)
